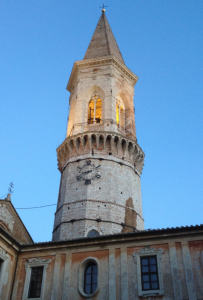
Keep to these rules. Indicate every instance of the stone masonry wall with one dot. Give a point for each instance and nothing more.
(100, 163)
(105, 199)
(111, 84)
(11, 222)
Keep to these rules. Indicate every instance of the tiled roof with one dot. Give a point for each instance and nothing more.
(145, 232)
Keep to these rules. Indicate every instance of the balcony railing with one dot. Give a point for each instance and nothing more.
(92, 121)
(98, 125)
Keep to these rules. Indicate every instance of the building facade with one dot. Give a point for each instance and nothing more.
(100, 249)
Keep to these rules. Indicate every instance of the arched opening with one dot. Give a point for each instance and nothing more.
(108, 143)
(95, 109)
(94, 140)
(98, 111)
(77, 143)
(93, 233)
(101, 142)
(120, 114)
(90, 278)
(85, 138)
(91, 112)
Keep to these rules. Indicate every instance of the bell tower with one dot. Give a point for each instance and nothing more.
(100, 160)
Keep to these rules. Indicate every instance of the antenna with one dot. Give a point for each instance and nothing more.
(10, 189)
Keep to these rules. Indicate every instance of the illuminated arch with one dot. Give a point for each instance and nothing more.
(120, 113)
(95, 109)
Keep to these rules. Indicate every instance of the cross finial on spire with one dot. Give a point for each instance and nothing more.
(103, 9)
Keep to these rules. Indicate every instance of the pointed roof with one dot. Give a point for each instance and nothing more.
(103, 42)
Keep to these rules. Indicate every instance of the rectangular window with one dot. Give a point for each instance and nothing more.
(35, 282)
(149, 273)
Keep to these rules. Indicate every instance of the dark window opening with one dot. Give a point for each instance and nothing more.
(90, 278)
(35, 282)
(1, 265)
(149, 273)
(93, 233)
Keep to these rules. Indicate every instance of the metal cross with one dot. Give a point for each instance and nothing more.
(103, 6)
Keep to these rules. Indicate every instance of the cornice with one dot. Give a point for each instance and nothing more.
(100, 61)
(9, 240)
(148, 250)
(86, 142)
(38, 261)
(161, 235)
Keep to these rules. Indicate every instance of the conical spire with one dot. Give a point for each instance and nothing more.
(103, 42)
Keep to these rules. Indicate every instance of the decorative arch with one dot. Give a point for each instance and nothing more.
(128, 116)
(120, 111)
(91, 90)
(94, 98)
(95, 109)
(81, 282)
(124, 99)
(93, 233)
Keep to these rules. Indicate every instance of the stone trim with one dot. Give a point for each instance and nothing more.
(35, 262)
(4, 256)
(81, 276)
(99, 127)
(124, 273)
(174, 271)
(99, 158)
(118, 145)
(99, 201)
(147, 251)
(6, 217)
(189, 276)
(100, 61)
(95, 220)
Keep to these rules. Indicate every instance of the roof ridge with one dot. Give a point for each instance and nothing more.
(104, 17)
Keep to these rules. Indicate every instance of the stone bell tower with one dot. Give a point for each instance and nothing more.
(100, 161)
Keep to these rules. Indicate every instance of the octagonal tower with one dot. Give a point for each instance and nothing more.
(100, 161)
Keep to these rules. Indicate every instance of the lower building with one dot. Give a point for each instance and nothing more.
(151, 264)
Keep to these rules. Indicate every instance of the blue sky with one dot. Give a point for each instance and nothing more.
(161, 42)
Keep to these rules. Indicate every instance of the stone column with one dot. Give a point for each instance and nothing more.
(54, 292)
(175, 272)
(124, 274)
(119, 116)
(188, 271)
(67, 275)
(95, 104)
(112, 275)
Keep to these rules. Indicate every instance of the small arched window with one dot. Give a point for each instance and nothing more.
(90, 278)
(93, 233)
(119, 114)
(95, 109)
